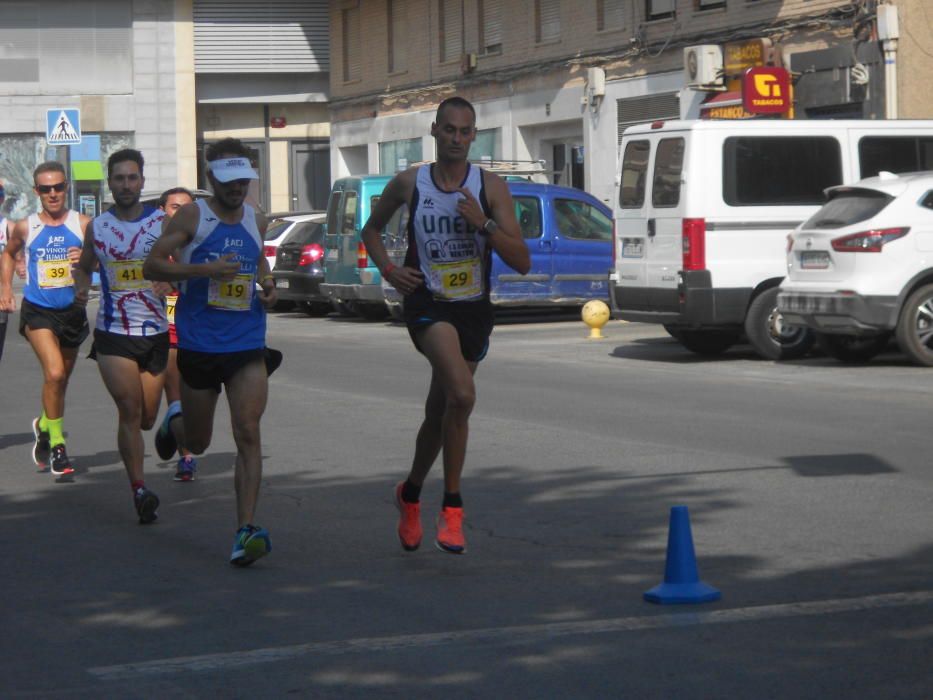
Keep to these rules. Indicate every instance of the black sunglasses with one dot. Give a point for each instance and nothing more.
(58, 187)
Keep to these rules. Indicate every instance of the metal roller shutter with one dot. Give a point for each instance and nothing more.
(277, 36)
(637, 110)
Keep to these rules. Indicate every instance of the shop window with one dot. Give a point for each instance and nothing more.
(395, 156)
(486, 145)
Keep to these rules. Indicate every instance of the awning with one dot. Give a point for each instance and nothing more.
(87, 170)
(724, 105)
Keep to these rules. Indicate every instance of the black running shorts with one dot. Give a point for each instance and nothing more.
(149, 352)
(209, 370)
(473, 321)
(69, 325)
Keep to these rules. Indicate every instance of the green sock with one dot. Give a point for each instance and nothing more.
(55, 431)
(43, 422)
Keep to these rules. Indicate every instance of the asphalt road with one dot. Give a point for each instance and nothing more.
(809, 486)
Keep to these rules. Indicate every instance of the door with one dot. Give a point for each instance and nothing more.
(567, 164)
(507, 285)
(310, 184)
(581, 250)
(631, 224)
(664, 248)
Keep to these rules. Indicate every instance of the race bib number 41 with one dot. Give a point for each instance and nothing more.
(55, 273)
(127, 275)
(235, 295)
(457, 280)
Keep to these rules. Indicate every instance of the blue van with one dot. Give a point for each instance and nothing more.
(569, 236)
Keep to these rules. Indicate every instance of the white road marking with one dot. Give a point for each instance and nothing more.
(511, 635)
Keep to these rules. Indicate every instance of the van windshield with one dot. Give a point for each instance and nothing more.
(779, 170)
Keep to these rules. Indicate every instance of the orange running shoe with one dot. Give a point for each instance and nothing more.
(450, 531)
(409, 521)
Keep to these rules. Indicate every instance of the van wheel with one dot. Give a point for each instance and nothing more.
(852, 348)
(915, 328)
(708, 343)
(316, 308)
(769, 335)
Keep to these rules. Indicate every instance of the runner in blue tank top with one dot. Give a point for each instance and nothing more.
(458, 214)
(54, 326)
(221, 323)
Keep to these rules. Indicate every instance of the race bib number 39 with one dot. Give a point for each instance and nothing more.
(457, 280)
(54, 273)
(127, 275)
(235, 295)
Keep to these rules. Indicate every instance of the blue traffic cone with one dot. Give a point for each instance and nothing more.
(681, 579)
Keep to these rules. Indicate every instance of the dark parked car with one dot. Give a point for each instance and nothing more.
(299, 266)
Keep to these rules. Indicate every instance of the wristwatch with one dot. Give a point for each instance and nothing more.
(489, 227)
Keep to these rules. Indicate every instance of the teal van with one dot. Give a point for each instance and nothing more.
(351, 280)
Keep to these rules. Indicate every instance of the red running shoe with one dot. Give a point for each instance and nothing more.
(409, 521)
(450, 531)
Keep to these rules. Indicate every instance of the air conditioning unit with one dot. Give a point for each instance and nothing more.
(703, 66)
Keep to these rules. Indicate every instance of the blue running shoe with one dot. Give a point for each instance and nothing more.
(165, 443)
(187, 466)
(249, 544)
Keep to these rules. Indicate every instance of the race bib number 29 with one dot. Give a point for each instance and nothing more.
(55, 273)
(459, 280)
(235, 295)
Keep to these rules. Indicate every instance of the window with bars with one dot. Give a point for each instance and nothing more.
(397, 36)
(350, 28)
(610, 14)
(450, 27)
(547, 20)
(490, 26)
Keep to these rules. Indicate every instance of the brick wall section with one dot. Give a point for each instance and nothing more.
(579, 39)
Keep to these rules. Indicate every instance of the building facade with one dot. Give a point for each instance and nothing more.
(166, 77)
(558, 80)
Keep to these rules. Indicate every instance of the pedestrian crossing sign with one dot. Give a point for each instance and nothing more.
(63, 127)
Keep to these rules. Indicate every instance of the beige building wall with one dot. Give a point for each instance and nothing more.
(915, 59)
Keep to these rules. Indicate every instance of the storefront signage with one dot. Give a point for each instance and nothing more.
(739, 55)
(766, 90)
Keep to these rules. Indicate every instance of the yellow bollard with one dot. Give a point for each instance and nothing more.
(596, 315)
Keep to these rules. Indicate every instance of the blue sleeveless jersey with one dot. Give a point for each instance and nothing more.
(48, 272)
(219, 317)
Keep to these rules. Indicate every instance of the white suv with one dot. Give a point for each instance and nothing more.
(862, 268)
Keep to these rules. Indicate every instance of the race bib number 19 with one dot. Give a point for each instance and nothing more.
(55, 273)
(235, 295)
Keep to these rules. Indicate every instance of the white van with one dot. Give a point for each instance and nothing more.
(704, 209)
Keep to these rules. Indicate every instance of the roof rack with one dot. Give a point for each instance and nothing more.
(524, 168)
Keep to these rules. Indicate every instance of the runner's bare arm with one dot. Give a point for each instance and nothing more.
(177, 234)
(504, 234)
(81, 270)
(15, 243)
(395, 194)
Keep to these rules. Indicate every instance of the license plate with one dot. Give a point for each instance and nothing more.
(633, 248)
(282, 284)
(814, 260)
(332, 254)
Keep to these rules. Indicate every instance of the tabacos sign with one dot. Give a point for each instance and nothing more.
(766, 90)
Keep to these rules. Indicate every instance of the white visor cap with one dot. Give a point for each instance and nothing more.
(227, 169)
